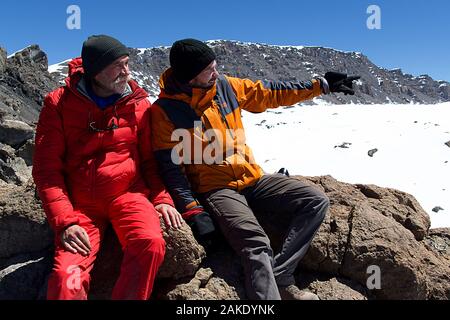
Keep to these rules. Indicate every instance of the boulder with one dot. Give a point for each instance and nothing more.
(15, 133)
(370, 226)
(23, 225)
(27, 72)
(26, 152)
(26, 243)
(13, 169)
(204, 286)
(335, 288)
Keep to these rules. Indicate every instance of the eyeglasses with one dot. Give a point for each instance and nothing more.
(111, 127)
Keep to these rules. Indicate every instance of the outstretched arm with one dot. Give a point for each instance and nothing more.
(261, 95)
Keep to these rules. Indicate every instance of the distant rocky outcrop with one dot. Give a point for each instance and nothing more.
(289, 63)
(24, 82)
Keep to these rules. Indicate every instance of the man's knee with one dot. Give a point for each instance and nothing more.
(157, 245)
(147, 245)
(255, 245)
(314, 202)
(323, 203)
(245, 233)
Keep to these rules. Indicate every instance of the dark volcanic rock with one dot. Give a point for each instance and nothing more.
(24, 83)
(15, 133)
(13, 169)
(23, 225)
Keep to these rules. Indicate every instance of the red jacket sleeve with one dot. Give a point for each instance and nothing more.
(158, 193)
(48, 165)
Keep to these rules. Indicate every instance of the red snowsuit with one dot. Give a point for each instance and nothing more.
(90, 177)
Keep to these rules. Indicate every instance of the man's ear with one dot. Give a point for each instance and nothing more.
(94, 79)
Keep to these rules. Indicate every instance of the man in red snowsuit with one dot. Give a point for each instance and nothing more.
(94, 164)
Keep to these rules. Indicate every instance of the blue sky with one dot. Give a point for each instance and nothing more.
(413, 36)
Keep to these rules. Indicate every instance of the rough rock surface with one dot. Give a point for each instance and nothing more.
(387, 231)
(382, 227)
(24, 82)
(13, 169)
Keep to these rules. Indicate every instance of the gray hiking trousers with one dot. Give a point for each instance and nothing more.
(280, 204)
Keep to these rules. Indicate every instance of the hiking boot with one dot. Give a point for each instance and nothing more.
(292, 292)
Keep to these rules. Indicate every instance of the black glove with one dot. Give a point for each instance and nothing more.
(203, 228)
(340, 82)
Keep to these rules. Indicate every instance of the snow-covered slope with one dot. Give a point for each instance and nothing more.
(411, 156)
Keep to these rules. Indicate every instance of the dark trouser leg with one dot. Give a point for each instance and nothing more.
(277, 198)
(247, 238)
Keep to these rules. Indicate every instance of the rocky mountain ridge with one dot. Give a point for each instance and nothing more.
(289, 63)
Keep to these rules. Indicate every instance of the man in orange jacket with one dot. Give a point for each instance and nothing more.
(93, 164)
(213, 168)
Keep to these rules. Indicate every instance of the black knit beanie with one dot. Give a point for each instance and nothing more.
(99, 51)
(188, 57)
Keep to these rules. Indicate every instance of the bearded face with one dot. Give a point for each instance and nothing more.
(114, 78)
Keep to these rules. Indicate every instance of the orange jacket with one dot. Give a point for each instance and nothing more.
(219, 108)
